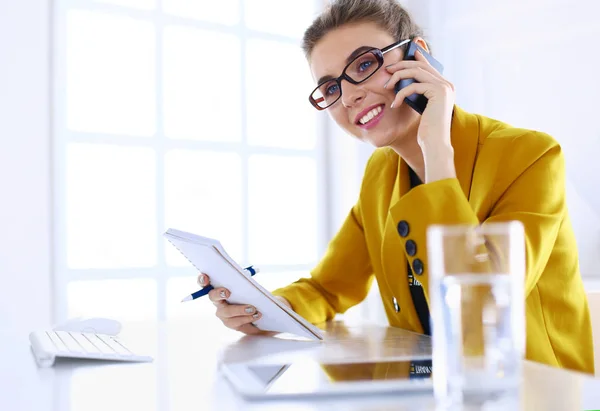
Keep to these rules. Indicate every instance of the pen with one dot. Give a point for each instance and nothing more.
(207, 289)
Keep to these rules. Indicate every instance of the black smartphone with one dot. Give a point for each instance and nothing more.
(417, 101)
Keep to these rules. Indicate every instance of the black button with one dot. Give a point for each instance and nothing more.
(396, 306)
(411, 248)
(403, 228)
(418, 266)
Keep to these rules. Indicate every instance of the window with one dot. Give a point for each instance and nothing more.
(183, 114)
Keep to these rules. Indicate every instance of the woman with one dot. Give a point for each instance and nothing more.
(473, 169)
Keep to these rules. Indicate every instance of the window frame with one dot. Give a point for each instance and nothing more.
(62, 137)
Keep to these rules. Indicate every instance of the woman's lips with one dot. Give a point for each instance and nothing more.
(374, 121)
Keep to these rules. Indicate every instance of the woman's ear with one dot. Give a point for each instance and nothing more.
(422, 43)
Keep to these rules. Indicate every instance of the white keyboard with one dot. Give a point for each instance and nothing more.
(47, 345)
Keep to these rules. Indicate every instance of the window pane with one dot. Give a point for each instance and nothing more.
(203, 196)
(283, 220)
(98, 388)
(271, 281)
(279, 114)
(201, 85)
(177, 288)
(122, 300)
(134, 4)
(293, 17)
(111, 206)
(222, 11)
(110, 74)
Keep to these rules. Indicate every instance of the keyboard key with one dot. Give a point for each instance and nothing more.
(84, 342)
(99, 344)
(114, 344)
(71, 344)
(60, 346)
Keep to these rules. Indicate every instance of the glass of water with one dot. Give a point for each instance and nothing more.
(477, 299)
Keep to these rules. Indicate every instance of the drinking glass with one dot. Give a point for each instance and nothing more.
(476, 287)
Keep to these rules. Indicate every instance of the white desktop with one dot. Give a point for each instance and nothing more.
(187, 372)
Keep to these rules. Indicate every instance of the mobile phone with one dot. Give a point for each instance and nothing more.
(417, 101)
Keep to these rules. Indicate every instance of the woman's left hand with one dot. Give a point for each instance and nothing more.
(434, 127)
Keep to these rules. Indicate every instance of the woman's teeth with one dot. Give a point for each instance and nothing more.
(369, 116)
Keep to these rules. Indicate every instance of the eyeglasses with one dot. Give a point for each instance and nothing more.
(358, 70)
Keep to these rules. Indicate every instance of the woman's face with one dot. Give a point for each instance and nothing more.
(329, 57)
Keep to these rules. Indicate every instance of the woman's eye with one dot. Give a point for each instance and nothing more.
(365, 65)
(333, 89)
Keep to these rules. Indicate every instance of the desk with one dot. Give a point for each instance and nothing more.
(185, 376)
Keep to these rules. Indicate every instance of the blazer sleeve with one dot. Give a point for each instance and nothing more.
(529, 186)
(342, 278)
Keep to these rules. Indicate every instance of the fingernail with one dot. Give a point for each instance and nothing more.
(389, 65)
(249, 310)
(392, 105)
(255, 315)
(386, 83)
(223, 294)
(201, 280)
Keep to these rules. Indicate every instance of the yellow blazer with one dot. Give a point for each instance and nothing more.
(503, 173)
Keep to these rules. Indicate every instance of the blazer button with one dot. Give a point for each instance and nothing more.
(396, 306)
(411, 248)
(418, 266)
(403, 228)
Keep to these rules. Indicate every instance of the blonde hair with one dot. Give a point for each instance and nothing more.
(388, 14)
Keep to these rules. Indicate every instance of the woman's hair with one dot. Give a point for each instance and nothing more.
(388, 14)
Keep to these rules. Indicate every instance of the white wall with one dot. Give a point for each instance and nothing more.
(25, 204)
(534, 64)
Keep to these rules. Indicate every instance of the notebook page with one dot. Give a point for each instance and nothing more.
(208, 256)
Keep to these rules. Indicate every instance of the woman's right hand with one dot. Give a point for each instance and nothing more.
(238, 317)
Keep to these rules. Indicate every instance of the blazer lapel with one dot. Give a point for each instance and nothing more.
(465, 140)
(393, 257)
(465, 134)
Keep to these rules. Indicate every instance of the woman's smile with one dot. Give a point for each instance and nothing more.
(370, 117)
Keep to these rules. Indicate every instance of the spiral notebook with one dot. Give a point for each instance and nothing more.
(209, 257)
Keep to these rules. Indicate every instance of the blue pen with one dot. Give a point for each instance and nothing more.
(207, 289)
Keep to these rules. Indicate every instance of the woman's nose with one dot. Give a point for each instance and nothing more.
(352, 94)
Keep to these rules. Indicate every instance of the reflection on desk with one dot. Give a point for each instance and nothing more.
(342, 344)
(186, 371)
(309, 378)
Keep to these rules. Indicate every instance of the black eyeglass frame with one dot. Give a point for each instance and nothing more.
(378, 55)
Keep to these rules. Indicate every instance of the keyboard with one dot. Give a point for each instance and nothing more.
(47, 345)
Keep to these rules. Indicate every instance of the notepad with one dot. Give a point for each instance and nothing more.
(209, 257)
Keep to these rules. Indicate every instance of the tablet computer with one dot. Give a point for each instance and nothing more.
(307, 377)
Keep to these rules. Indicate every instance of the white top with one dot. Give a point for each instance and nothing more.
(185, 372)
